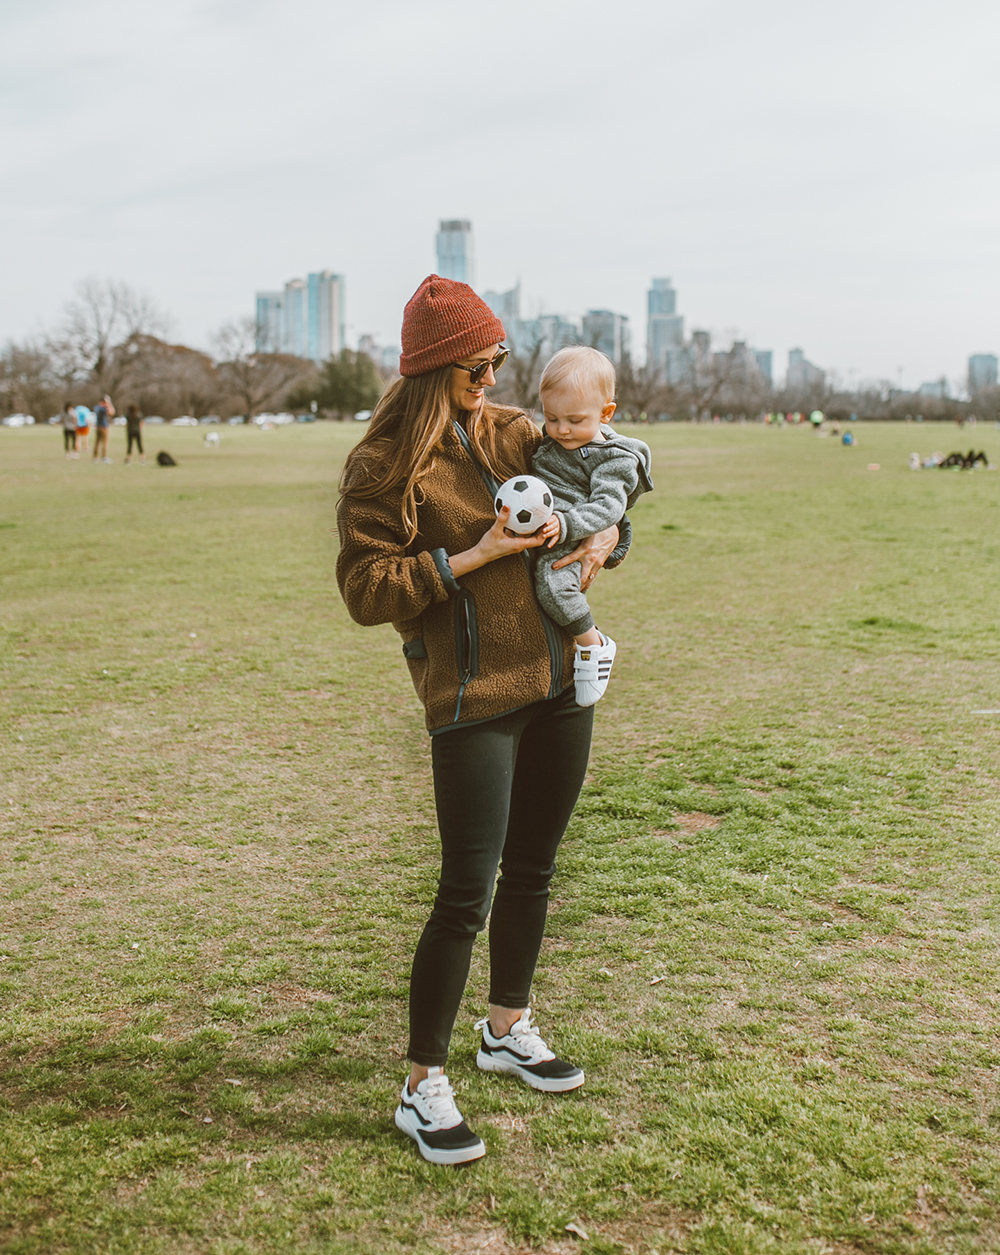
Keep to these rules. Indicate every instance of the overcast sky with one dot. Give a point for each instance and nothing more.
(816, 174)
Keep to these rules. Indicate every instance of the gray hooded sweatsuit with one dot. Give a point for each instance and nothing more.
(593, 487)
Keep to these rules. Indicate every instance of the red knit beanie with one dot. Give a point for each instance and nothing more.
(443, 321)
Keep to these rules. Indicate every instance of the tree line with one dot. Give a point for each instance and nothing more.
(114, 340)
(728, 383)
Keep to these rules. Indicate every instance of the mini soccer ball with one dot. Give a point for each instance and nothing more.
(530, 502)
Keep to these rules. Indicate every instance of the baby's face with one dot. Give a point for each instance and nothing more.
(573, 417)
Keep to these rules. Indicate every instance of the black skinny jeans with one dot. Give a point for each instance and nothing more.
(135, 436)
(505, 790)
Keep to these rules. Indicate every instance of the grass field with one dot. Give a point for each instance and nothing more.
(774, 935)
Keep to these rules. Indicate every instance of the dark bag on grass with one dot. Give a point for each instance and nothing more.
(163, 458)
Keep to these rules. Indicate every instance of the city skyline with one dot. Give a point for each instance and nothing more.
(304, 318)
(796, 181)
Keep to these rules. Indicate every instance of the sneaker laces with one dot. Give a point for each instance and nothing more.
(439, 1099)
(526, 1034)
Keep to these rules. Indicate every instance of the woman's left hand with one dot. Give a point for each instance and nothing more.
(592, 552)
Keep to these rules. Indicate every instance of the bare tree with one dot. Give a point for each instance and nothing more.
(252, 379)
(170, 379)
(642, 391)
(517, 383)
(28, 384)
(91, 344)
(705, 381)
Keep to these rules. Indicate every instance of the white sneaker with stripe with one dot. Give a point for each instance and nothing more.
(523, 1053)
(592, 670)
(429, 1115)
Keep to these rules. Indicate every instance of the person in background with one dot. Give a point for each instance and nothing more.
(104, 412)
(134, 432)
(69, 430)
(82, 430)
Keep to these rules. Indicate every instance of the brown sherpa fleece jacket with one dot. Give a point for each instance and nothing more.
(477, 647)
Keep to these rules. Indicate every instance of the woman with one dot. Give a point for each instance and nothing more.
(69, 430)
(510, 745)
(82, 429)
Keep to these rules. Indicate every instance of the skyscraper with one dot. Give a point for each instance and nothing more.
(325, 334)
(454, 251)
(270, 311)
(295, 339)
(306, 319)
(803, 374)
(982, 372)
(664, 331)
(608, 332)
(765, 358)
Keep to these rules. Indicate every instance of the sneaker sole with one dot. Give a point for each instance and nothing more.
(464, 1154)
(547, 1084)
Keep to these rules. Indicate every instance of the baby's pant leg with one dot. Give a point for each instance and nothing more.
(560, 595)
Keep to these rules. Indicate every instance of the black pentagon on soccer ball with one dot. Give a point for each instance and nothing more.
(499, 505)
(524, 516)
(520, 486)
(546, 499)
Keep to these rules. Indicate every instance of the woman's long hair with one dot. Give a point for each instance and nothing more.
(405, 432)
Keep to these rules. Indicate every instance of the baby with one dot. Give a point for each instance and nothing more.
(595, 475)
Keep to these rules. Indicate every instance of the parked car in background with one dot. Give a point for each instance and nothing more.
(185, 420)
(155, 421)
(209, 418)
(19, 420)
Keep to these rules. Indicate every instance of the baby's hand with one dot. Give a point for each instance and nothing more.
(550, 531)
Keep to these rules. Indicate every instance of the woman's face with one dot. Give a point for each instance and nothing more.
(464, 394)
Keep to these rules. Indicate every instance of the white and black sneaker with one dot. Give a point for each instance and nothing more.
(592, 670)
(430, 1117)
(523, 1053)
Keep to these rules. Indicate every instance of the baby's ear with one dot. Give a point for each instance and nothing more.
(608, 410)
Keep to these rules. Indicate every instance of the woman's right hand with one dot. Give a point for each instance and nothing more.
(498, 542)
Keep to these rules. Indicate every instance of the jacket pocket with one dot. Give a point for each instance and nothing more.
(466, 637)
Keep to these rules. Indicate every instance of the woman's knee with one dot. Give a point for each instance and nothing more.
(461, 916)
(525, 879)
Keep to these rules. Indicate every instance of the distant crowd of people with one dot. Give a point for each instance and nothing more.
(76, 430)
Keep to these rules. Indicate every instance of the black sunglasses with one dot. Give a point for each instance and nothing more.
(478, 372)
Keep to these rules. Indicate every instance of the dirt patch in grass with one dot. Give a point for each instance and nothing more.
(695, 821)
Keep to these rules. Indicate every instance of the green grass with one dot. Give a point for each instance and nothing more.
(773, 938)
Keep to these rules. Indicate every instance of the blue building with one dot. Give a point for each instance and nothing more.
(665, 332)
(270, 321)
(454, 251)
(305, 319)
(982, 372)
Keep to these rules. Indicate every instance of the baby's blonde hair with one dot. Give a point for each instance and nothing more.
(583, 368)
